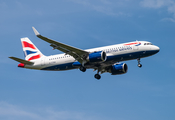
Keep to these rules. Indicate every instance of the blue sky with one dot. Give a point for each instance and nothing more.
(141, 94)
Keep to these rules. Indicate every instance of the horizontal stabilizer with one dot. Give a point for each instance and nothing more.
(22, 61)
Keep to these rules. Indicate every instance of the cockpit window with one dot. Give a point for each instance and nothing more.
(148, 44)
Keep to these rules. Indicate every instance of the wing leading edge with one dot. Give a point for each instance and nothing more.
(78, 54)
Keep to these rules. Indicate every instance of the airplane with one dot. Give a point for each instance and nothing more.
(101, 59)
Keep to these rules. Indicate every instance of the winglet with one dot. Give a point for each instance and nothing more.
(35, 31)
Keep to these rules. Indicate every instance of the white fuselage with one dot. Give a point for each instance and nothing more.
(115, 53)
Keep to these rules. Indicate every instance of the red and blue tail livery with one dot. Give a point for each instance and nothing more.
(107, 59)
(31, 52)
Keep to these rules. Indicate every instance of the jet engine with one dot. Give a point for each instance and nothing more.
(99, 56)
(118, 69)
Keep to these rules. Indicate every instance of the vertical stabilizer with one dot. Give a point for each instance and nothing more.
(31, 52)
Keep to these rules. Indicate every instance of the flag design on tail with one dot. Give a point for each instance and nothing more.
(31, 52)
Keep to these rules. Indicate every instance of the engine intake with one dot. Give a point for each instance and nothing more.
(99, 56)
(118, 69)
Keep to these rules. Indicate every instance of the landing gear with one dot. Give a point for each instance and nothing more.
(97, 76)
(83, 69)
(139, 65)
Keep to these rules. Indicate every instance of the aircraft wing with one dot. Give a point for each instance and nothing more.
(21, 60)
(77, 53)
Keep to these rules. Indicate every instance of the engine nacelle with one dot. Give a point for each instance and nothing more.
(99, 56)
(120, 68)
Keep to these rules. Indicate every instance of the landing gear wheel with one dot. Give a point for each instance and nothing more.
(83, 69)
(97, 76)
(139, 65)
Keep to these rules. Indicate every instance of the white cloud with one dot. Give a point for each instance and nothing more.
(168, 19)
(157, 4)
(9, 111)
(108, 7)
(13, 112)
(153, 3)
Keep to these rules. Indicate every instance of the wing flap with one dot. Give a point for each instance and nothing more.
(21, 60)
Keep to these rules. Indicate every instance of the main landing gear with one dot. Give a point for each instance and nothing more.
(97, 76)
(83, 69)
(139, 65)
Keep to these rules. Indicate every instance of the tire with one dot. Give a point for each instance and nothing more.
(139, 65)
(97, 76)
(83, 69)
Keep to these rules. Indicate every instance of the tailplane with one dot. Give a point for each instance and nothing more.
(31, 52)
(21, 61)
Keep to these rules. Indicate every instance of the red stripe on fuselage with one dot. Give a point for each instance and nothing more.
(34, 57)
(133, 43)
(26, 44)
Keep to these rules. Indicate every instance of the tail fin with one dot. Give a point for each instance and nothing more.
(31, 52)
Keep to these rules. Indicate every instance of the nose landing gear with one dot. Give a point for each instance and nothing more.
(139, 65)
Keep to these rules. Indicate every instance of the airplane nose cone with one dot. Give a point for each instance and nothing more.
(156, 49)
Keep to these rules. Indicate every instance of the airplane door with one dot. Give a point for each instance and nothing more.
(43, 61)
(135, 47)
